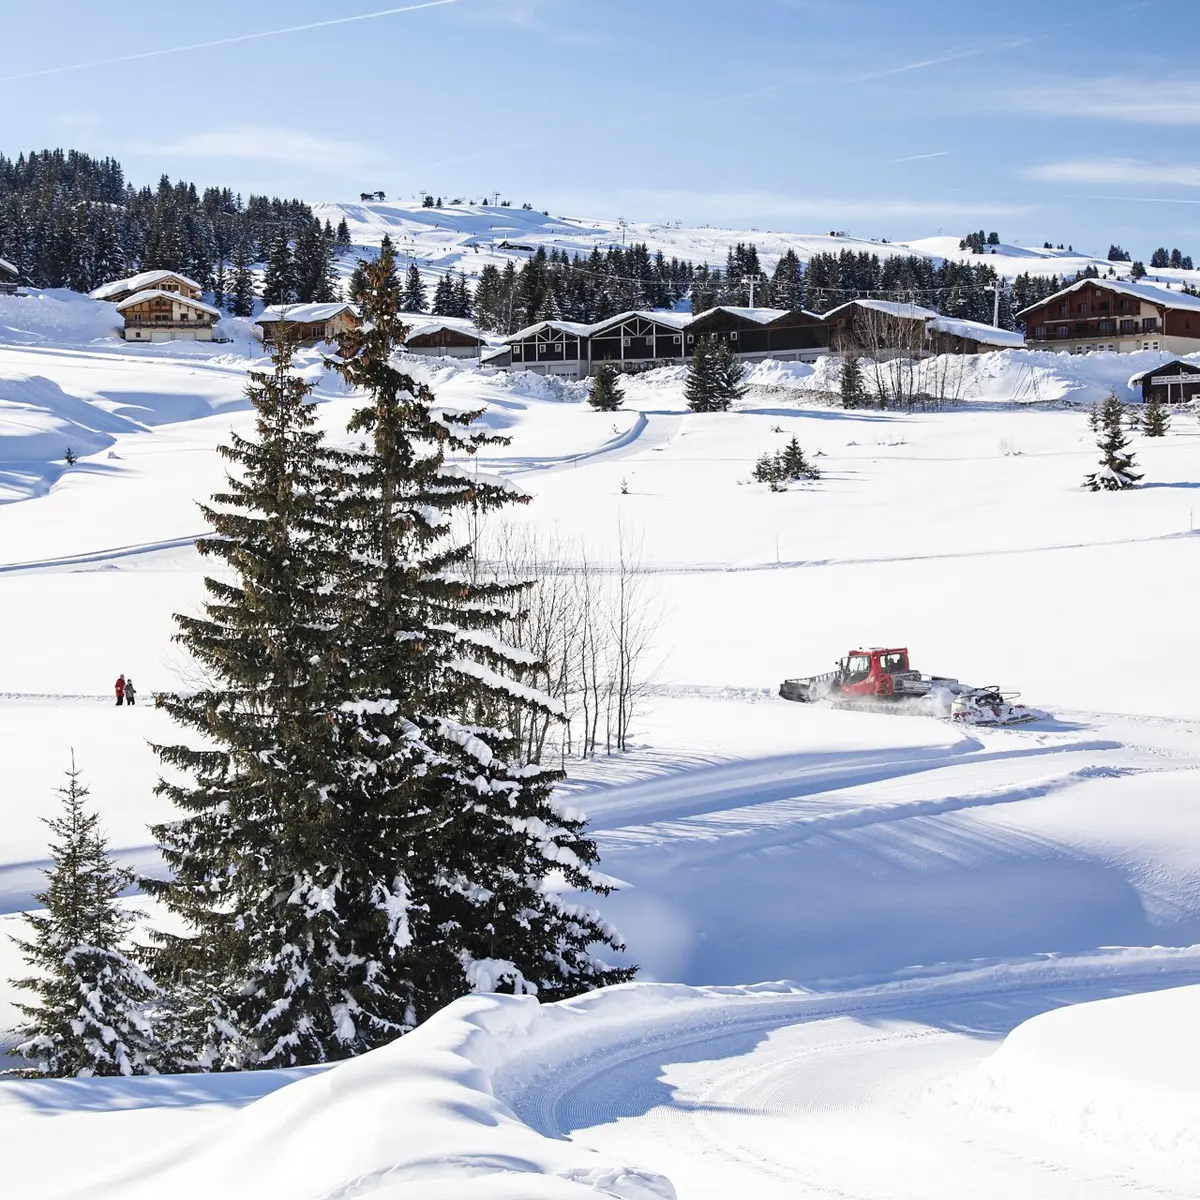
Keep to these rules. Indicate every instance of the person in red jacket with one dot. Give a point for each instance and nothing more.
(120, 690)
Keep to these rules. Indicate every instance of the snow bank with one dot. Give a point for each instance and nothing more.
(415, 1120)
(56, 315)
(1124, 1071)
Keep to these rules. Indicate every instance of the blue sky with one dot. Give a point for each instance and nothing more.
(1075, 122)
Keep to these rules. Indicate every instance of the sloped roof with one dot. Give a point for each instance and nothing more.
(137, 283)
(437, 326)
(572, 328)
(1190, 371)
(7, 267)
(892, 308)
(672, 320)
(303, 313)
(152, 294)
(1150, 292)
(760, 316)
(991, 335)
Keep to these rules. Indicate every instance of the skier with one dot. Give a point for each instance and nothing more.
(120, 690)
(130, 694)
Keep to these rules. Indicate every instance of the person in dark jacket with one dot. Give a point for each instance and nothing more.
(130, 694)
(120, 690)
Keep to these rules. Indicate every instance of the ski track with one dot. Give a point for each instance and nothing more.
(768, 1095)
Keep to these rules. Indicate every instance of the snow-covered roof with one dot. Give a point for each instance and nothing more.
(892, 308)
(437, 326)
(5, 265)
(760, 316)
(303, 313)
(152, 294)
(1190, 371)
(990, 335)
(572, 328)
(673, 320)
(1151, 293)
(146, 281)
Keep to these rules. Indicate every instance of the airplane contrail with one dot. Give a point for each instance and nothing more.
(227, 41)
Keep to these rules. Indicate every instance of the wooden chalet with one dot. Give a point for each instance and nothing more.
(758, 333)
(552, 348)
(440, 338)
(10, 277)
(637, 341)
(892, 328)
(149, 281)
(158, 316)
(307, 324)
(1175, 382)
(1112, 314)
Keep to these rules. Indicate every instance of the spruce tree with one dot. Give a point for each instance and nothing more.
(850, 382)
(728, 372)
(342, 237)
(489, 313)
(413, 299)
(606, 394)
(443, 297)
(1157, 420)
(794, 465)
(219, 284)
(701, 386)
(462, 297)
(89, 1015)
(1116, 471)
(769, 470)
(279, 279)
(263, 878)
(241, 295)
(470, 831)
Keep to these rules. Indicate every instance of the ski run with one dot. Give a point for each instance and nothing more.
(880, 956)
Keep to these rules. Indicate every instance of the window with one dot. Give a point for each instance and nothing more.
(1124, 305)
(1062, 310)
(1039, 332)
(1150, 324)
(1081, 309)
(1063, 331)
(1106, 326)
(691, 338)
(733, 336)
(1128, 325)
(857, 668)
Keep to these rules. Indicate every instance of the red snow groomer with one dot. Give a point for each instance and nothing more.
(882, 680)
(865, 676)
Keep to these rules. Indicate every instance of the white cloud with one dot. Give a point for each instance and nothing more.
(1115, 170)
(1149, 101)
(758, 206)
(261, 142)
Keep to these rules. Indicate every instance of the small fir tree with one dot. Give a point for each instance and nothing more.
(1157, 419)
(89, 1015)
(769, 470)
(702, 387)
(795, 466)
(1116, 471)
(728, 373)
(850, 383)
(606, 394)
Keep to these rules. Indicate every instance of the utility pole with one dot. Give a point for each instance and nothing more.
(753, 281)
(995, 288)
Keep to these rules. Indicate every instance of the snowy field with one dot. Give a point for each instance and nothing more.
(987, 937)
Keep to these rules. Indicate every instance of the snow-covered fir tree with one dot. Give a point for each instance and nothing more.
(443, 297)
(89, 1013)
(462, 297)
(279, 278)
(470, 832)
(1116, 471)
(414, 300)
(264, 971)
(606, 394)
(1157, 419)
(701, 386)
(728, 373)
(241, 288)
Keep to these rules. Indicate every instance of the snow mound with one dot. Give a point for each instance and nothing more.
(416, 1120)
(56, 315)
(1124, 1071)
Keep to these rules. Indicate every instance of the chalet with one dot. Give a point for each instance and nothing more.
(158, 281)
(758, 333)
(1175, 382)
(9, 278)
(552, 348)
(1111, 314)
(636, 341)
(308, 324)
(160, 316)
(891, 327)
(444, 337)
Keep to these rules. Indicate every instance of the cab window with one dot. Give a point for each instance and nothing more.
(895, 662)
(858, 667)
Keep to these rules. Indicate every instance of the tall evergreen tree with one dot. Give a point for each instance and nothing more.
(413, 298)
(471, 831)
(89, 1015)
(443, 297)
(265, 970)
(1116, 471)
(219, 284)
(489, 311)
(606, 394)
(241, 293)
(342, 237)
(462, 297)
(279, 280)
